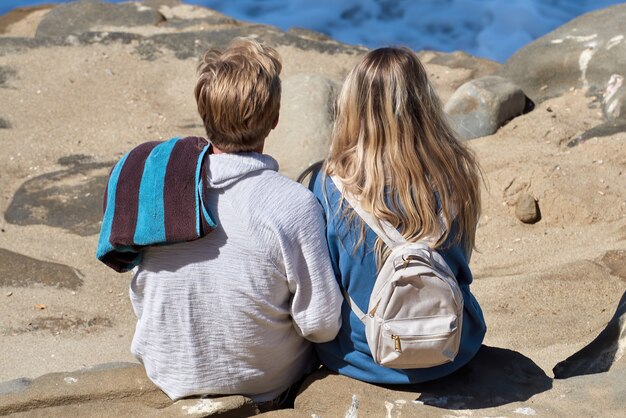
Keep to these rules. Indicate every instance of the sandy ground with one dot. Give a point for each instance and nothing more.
(546, 289)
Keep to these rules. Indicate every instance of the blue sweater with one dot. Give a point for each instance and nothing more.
(356, 271)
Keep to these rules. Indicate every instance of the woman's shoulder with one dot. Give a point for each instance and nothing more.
(323, 187)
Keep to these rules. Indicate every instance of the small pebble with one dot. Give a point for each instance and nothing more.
(9, 293)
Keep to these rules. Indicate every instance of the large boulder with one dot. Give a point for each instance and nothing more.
(583, 53)
(84, 16)
(302, 136)
(479, 107)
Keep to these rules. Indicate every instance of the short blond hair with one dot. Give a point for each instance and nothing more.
(238, 94)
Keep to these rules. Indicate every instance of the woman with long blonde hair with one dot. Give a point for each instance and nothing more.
(393, 150)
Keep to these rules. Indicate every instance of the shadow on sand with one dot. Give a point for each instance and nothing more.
(494, 377)
(600, 354)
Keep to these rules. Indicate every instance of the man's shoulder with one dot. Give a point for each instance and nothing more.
(275, 197)
(288, 194)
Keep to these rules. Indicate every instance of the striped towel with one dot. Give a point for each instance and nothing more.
(154, 196)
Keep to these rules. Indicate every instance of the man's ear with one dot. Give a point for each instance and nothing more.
(275, 121)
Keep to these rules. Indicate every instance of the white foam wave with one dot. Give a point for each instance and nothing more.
(492, 29)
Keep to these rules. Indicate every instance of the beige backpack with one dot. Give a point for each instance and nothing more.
(415, 312)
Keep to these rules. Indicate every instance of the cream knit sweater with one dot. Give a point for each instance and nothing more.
(233, 313)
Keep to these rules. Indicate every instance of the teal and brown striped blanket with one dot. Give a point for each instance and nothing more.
(154, 196)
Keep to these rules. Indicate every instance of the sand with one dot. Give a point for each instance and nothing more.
(546, 289)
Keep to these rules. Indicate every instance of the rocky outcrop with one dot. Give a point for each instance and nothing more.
(72, 19)
(186, 30)
(117, 389)
(584, 54)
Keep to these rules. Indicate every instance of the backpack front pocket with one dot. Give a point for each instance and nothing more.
(418, 342)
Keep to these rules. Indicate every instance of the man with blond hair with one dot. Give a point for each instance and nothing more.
(235, 311)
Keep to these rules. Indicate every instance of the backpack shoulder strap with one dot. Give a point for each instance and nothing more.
(383, 229)
(355, 308)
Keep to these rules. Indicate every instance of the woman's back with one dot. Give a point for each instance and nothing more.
(392, 149)
(356, 268)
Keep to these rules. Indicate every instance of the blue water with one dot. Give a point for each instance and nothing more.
(492, 29)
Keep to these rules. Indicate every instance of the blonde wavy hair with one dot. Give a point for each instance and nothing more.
(238, 94)
(393, 149)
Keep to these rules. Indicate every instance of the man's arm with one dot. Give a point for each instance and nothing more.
(316, 297)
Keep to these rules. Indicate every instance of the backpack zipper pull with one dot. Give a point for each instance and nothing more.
(396, 343)
(407, 260)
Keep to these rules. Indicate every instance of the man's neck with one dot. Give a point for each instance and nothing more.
(259, 149)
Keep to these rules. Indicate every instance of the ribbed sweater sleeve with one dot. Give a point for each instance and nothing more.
(316, 297)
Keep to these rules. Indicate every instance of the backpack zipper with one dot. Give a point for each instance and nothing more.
(396, 343)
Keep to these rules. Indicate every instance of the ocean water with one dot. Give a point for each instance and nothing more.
(492, 29)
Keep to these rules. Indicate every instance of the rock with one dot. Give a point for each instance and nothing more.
(584, 53)
(69, 199)
(527, 209)
(86, 16)
(480, 107)
(600, 354)
(614, 100)
(285, 413)
(112, 381)
(493, 378)
(186, 30)
(159, 3)
(18, 270)
(302, 136)
(224, 406)
(182, 16)
(4, 124)
(116, 389)
(188, 44)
